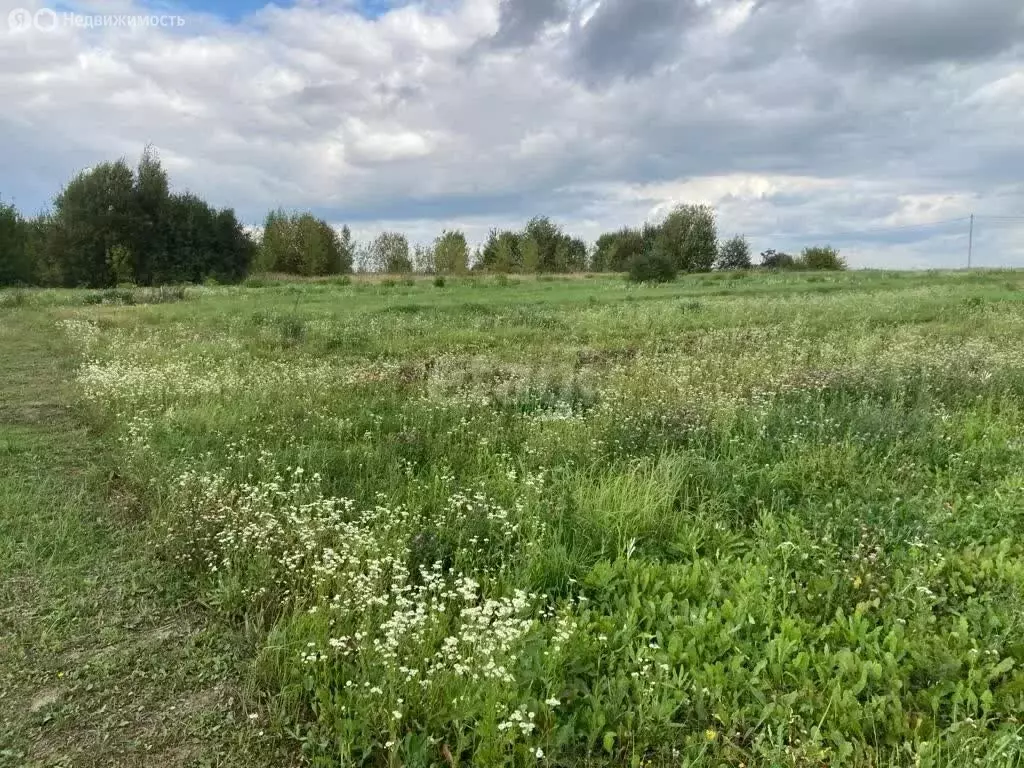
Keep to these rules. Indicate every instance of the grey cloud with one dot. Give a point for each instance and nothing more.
(911, 32)
(521, 21)
(627, 38)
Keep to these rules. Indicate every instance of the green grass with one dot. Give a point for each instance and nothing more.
(104, 658)
(769, 519)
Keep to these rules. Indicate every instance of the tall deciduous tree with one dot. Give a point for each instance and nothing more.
(96, 211)
(302, 244)
(734, 254)
(451, 253)
(347, 255)
(148, 249)
(389, 253)
(689, 237)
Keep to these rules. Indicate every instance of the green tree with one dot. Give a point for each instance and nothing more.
(190, 237)
(451, 253)
(689, 237)
(302, 244)
(276, 251)
(16, 265)
(318, 246)
(614, 251)
(96, 211)
(571, 255)
(121, 263)
(203, 242)
(44, 246)
(502, 252)
(548, 237)
(149, 231)
(389, 253)
(530, 254)
(233, 246)
(110, 224)
(347, 254)
(734, 254)
(424, 259)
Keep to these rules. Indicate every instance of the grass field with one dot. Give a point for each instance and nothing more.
(747, 520)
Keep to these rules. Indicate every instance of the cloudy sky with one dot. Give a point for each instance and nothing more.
(860, 122)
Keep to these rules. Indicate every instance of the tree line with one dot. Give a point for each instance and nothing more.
(116, 224)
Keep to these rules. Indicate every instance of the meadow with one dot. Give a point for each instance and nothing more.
(748, 519)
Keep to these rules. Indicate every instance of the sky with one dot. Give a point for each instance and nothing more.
(876, 125)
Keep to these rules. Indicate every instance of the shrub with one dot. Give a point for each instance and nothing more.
(439, 282)
(822, 257)
(652, 267)
(772, 259)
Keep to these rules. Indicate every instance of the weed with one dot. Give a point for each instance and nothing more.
(292, 329)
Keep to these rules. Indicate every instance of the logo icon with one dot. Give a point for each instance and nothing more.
(19, 20)
(45, 19)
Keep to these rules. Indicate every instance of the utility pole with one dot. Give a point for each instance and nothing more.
(970, 242)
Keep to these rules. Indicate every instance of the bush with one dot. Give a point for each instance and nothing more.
(772, 259)
(822, 257)
(652, 268)
(439, 282)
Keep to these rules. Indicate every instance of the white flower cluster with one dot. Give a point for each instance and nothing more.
(281, 537)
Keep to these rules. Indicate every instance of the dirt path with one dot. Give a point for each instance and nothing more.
(103, 662)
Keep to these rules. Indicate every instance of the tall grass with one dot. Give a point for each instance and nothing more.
(769, 521)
